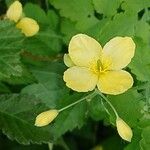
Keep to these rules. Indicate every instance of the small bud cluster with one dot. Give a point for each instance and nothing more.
(27, 25)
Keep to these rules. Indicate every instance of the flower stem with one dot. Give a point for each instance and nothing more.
(90, 96)
(50, 146)
(47, 4)
(108, 102)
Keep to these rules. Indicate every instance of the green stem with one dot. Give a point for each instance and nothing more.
(105, 108)
(108, 102)
(90, 96)
(50, 146)
(47, 4)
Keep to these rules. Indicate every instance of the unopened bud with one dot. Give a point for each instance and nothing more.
(67, 60)
(46, 117)
(124, 130)
(14, 12)
(28, 26)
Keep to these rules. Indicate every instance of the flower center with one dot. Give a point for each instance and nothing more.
(101, 66)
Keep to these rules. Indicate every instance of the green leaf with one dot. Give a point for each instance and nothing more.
(144, 146)
(53, 19)
(107, 7)
(127, 104)
(76, 11)
(96, 109)
(142, 30)
(10, 38)
(146, 135)
(10, 65)
(53, 93)
(68, 29)
(86, 23)
(140, 64)
(116, 27)
(135, 141)
(46, 42)
(17, 116)
(50, 87)
(11, 43)
(109, 28)
(71, 118)
(34, 11)
(25, 78)
(145, 142)
(134, 6)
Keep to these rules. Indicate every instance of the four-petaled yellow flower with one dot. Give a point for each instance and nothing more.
(90, 65)
(27, 25)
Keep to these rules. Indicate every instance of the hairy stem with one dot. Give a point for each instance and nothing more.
(90, 96)
(108, 102)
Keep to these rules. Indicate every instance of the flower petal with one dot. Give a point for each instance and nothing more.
(120, 50)
(28, 26)
(83, 50)
(80, 79)
(14, 11)
(114, 82)
(67, 60)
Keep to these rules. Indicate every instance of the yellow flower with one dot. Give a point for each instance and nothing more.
(94, 66)
(124, 130)
(28, 26)
(46, 117)
(15, 11)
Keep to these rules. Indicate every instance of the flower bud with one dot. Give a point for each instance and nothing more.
(124, 130)
(46, 117)
(28, 26)
(67, 60)
(14, 12)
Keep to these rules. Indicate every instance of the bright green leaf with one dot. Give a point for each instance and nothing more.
(76, 11)
(107, 7)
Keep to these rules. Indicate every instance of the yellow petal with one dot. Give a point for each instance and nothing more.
(67, 60)
(46, 117)
(14, 12)
(124, 130)
(80, 79)
(28, 26)
(114, 82)
(120, 50)
(83, 50)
